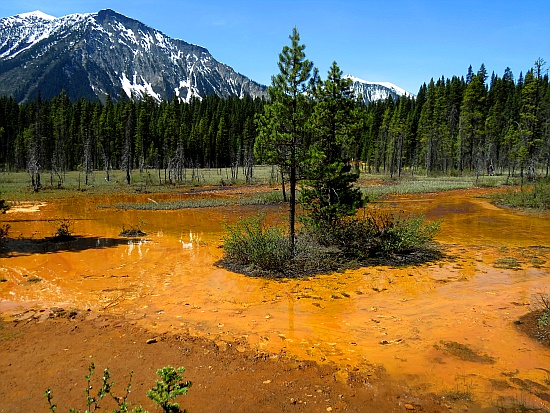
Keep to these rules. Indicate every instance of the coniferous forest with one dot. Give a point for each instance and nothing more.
(474, 124)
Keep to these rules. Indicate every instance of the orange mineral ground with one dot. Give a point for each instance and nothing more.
(441, 326)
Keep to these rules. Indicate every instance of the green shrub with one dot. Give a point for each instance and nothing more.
(408, 234)
(544, 304)
(377, 233)
(251, 242)
(65, 228)
(4, 206)
(133, 231)
(168, 388)
(165, 391)
(251, 247)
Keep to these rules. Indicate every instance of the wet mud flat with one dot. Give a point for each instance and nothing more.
(445, 330)
(225, 377)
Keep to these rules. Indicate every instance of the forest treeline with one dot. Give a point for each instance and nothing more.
(473, 124)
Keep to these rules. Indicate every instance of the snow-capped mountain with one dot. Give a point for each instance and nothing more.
(371, 91)
(96, 54)
(106, 53)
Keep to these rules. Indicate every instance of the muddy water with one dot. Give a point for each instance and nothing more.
(404, 320)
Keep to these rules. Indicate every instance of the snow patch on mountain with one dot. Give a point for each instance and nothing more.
(37, 14)
(99, 54)
(397, 89)
(25, 30)
(136, 90)
(374, 91)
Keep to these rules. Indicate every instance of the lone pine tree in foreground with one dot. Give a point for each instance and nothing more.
(282, 125)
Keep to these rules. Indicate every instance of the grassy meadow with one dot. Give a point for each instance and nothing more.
(16, 187)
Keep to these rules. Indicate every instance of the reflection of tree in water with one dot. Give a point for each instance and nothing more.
(29, 246)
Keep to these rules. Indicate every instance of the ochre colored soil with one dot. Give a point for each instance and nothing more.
(55, 352)
(243, 341)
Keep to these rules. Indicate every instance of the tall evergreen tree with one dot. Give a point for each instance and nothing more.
(281, 128)
(328, 193)
(472, 125)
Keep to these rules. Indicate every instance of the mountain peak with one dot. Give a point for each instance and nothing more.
(371, 91)
(94, 55)
(36, 15)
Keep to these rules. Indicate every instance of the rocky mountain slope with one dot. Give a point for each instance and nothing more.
(106, 53)
(372, 91)
(92, 55)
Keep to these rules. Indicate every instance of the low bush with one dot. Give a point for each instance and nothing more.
(64, 229)
(133, 231)
(250, 242)
(4, 206)
(377, 234)
(170, 386)
(544, 304)
(252, 247)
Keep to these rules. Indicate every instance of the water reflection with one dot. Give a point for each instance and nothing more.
(36, 245)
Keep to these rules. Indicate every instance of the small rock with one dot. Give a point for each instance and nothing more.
(329, 409)
(409, 407)
(267, 381)
(384, 342)
(151, 341)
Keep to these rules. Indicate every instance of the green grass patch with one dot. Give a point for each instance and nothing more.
(16, 186)
(534, 196)
(508, 263)
(421, 184)
(266, 198)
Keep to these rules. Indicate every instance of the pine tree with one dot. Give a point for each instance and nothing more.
(530, 122)
(281, 128)
(328, 193)
(472, 125)
(426, 127)
(129, 132)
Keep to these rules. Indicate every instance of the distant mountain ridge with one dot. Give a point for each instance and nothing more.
(93, 55)
(373, 91)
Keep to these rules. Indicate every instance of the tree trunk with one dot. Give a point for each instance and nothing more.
(283, 186)
(292, 209)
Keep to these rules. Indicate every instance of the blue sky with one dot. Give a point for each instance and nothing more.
(405, 42)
